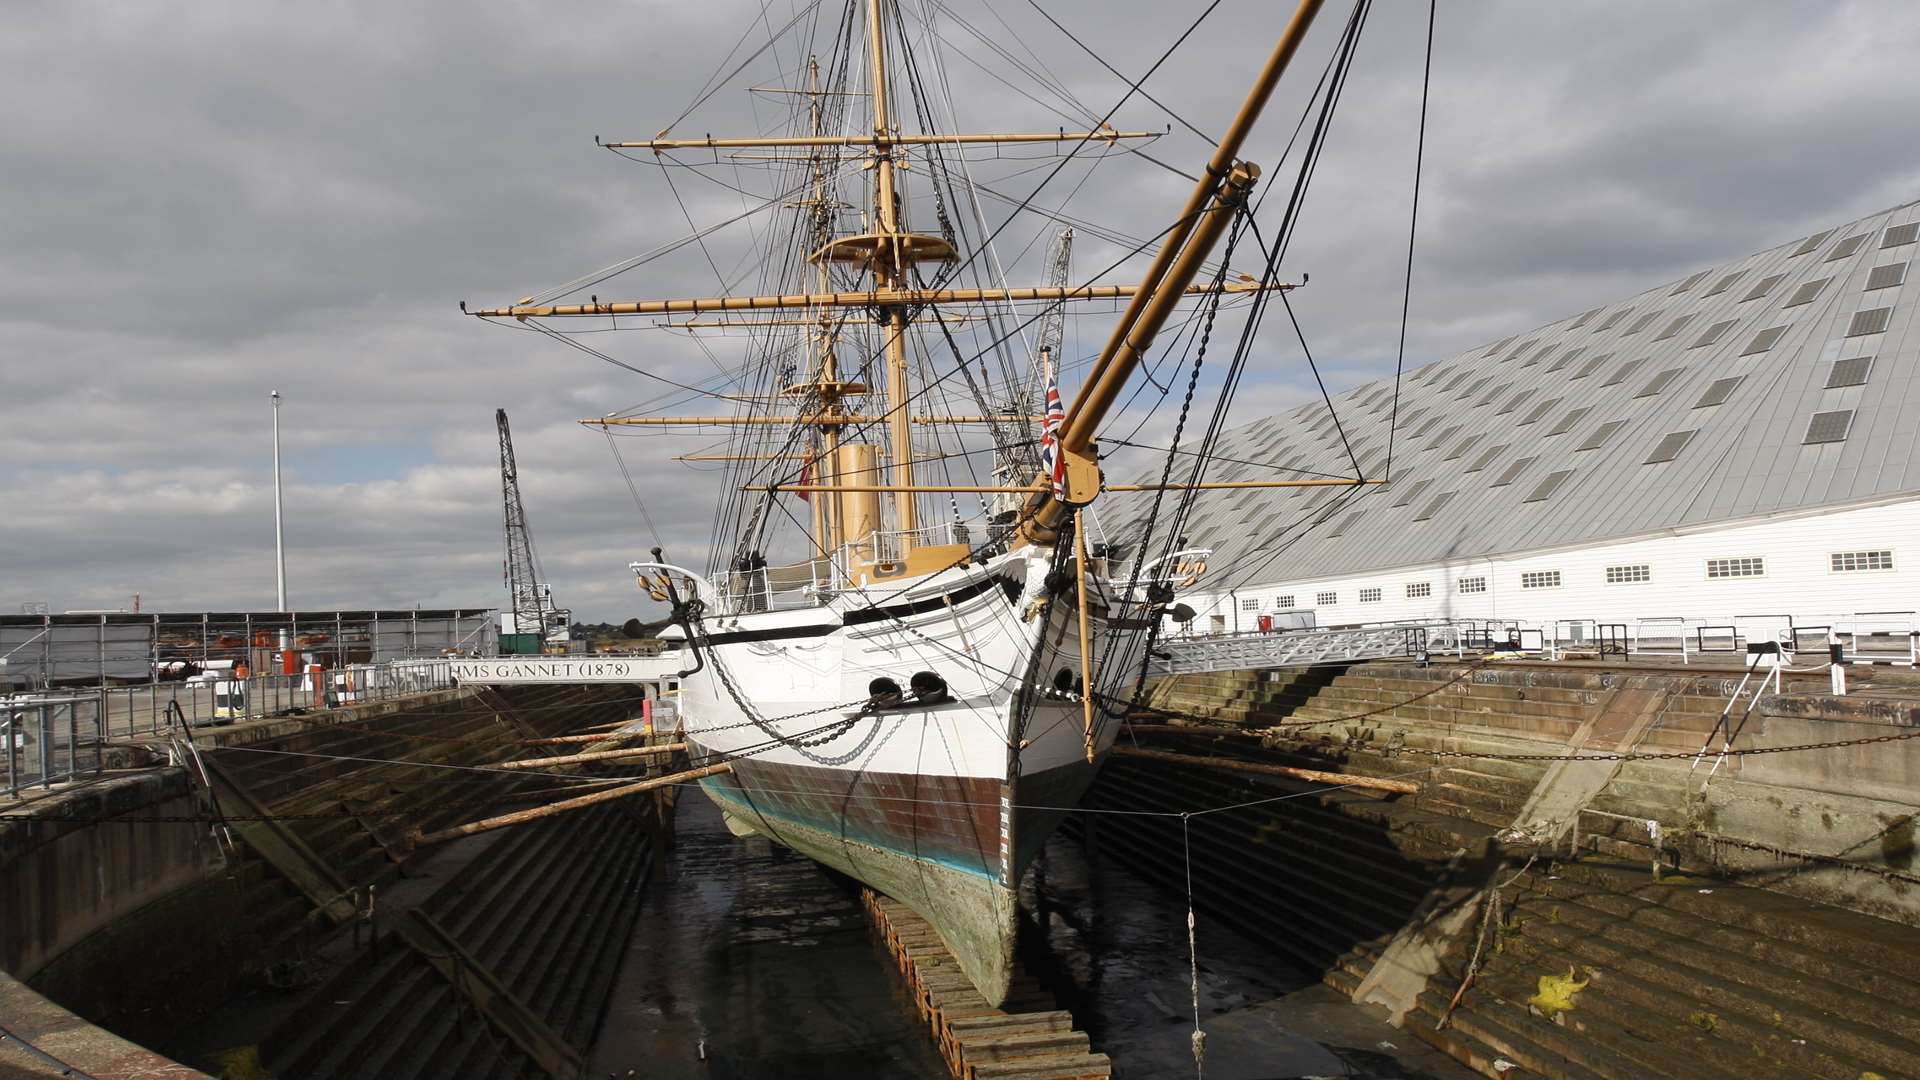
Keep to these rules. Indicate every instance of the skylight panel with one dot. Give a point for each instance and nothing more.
(1763, 287)
(1612, 320)
(1513, 471)
(1764, 340)
(1886, 277)
(1828, 427)
(1601, 434)
(1846, 247)
(1587, 369)
(1514, 402)
(1568, 421)
(1586, 315)
(1426, 426)
(1811, 242)
(1498, 345)
(1900, 234)
(1659, 382)
(1713, 333)
(1620, 374)
(1725, 283)
(1444, 436)
(1545, 489)
(1460, 448)
(1806, 292)
(1433, 507)
(1641, 323)
(1565, 359)
(1492, 396)
(1669, 446)
(1412, 492)
(1520, 351)
(1849, 372)
(1873, 321)
(1673, 328)
(1346, 524)
(1539, 411)
(1688, 283)
(1486, 457)
(1719, 392)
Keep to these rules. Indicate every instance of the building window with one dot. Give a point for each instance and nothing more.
(1745, 566)
(1418, 589)
(1251, 603)
(1846, 562)
(1829, 427)
(1869, 322)
(1473, 585)
(1540, 579)
(1283, 602)
(1719, 392)
(1669, 446)
(1327, 599)
(1849, 372)
(1370, 596)
(1630, 574)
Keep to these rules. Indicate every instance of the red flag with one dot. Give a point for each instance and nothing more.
(806, 477)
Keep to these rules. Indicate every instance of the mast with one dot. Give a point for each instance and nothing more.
(892, 296)
(890, 272)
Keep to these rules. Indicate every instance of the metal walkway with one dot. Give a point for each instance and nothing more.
(1298, 648)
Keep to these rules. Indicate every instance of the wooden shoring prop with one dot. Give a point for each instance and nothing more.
(521, 817)
(597, 755)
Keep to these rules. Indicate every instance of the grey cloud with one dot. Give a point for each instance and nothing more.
(209, 202)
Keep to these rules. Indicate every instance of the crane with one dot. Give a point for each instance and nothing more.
(530, 607)
(1053, 323)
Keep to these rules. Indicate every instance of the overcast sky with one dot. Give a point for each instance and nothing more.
(205, 202)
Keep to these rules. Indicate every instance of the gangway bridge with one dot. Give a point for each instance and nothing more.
(1299, 648)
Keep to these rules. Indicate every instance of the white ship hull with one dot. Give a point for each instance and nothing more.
(939, 804)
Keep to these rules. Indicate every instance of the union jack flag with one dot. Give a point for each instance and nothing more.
(1051, 459)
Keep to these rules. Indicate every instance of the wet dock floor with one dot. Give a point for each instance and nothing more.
(1114, 947)
(762, 961)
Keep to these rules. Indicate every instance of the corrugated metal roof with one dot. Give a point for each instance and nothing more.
(1769, 434)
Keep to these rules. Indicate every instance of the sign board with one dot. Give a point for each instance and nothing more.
(510, 671)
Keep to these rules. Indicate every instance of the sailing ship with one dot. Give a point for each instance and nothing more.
(910, 694)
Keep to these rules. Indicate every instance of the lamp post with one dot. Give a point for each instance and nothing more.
(279, 542)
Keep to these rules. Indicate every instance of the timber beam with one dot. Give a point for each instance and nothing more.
(869, 299)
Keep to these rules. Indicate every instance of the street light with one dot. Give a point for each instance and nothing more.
(279, 542)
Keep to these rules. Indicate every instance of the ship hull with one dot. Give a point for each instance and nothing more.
(940, 805)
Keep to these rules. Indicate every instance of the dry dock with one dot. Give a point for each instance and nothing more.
(1383, 843)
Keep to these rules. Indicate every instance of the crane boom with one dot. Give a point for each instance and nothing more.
(529, 600)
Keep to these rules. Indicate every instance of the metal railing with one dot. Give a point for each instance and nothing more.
(50, 737)
(1293, 648)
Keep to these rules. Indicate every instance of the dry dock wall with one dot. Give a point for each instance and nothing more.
(1833, 824)
(1764, 927)
(118, 903)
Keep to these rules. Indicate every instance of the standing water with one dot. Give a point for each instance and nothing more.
(750, 961)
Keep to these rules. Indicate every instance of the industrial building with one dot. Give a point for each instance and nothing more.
(1732, 449)
(90, 648)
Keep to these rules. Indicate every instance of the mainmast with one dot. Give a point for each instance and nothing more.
(849, 471)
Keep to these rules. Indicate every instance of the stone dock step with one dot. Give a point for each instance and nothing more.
(1025, 1039)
